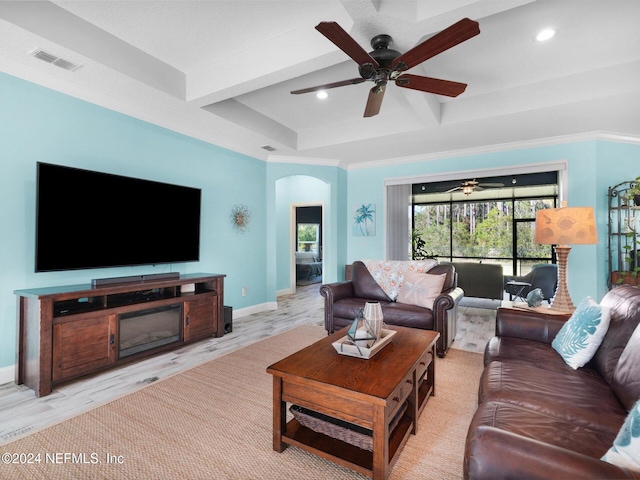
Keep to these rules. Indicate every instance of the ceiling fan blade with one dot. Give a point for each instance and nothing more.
(346, 43)
(491, 185)
(447, 38)
(431, 85)
(453, 190)
(327, 86)
(376, 94)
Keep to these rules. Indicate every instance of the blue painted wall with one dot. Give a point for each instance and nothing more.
(37, 124)
(592, 167)
(290, 184)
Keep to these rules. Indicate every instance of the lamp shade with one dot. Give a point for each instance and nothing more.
(566, 226)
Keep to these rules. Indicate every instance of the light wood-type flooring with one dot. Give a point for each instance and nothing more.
(22, 413)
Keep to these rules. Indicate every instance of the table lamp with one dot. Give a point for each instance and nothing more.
(563, 227)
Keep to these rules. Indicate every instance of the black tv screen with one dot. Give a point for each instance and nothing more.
(88, 219)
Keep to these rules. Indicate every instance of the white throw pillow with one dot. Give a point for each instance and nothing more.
(579, 338)
(625, 451)
(420, 289)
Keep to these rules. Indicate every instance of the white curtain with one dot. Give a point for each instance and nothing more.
(398, 202)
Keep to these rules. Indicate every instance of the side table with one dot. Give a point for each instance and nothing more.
(516, 289)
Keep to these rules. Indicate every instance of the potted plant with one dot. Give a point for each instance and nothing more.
(630, 275)
(625, 278)
(418, 250)
(634, 191)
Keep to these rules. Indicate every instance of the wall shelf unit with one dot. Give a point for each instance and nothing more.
(69, 331)
(623, 229)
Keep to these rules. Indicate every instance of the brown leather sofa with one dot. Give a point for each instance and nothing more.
(538, 418)
(344, 299)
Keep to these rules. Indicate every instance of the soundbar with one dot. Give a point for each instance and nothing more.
(160, 276)
(101, 282)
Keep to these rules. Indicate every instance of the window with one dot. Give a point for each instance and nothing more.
(492, 225)
(308, 237)
(432, 222)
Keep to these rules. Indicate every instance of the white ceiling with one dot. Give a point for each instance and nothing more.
(222, 70)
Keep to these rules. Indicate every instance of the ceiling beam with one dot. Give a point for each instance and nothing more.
(56, 24)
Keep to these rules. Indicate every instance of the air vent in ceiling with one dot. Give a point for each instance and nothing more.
(268, 148)
(57, 61)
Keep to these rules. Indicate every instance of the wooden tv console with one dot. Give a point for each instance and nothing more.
(69, 331)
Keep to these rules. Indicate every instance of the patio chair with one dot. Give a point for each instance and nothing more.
(543, 276)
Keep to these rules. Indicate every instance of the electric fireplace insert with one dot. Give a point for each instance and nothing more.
(146, 329)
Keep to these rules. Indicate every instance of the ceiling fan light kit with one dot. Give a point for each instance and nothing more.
(384, 64)
(469, 186)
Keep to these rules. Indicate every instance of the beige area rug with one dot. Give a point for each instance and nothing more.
(215, 421)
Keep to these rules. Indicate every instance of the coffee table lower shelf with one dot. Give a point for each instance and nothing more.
(344, 453)
(348, 455)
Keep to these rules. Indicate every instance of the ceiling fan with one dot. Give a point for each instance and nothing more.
(384, 64)
(469, 186)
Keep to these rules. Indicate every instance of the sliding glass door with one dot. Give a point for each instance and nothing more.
(488, 225)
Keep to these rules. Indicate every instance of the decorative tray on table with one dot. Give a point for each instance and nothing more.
(344, 346)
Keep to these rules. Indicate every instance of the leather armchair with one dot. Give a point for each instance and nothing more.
(344, 299)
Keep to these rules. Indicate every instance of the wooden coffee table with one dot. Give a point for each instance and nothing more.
(367, 393)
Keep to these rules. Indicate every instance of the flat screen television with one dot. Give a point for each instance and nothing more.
(88, 219)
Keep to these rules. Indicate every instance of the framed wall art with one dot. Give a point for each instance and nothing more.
(364, 220)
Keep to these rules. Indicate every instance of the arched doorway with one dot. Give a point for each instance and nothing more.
(291, 192)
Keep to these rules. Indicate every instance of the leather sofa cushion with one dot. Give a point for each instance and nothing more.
(393, 313)
(529, 325)
(624, 309)
(626, 377)
(365, 286)
(523, 351)
(349, 307)
(578, 396)
(544, 428)
(408, 316)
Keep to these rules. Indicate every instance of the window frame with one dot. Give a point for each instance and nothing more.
(515, 259)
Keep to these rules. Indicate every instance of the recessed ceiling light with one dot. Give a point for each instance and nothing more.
(322, 94)
(545, 34)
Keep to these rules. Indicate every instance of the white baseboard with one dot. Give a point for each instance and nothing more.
(263, 307)
(285, 291)
(7, 374)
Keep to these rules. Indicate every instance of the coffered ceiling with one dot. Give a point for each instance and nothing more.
(222, 70)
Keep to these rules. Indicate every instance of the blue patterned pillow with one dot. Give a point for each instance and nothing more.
(625, 451)
(579, 338)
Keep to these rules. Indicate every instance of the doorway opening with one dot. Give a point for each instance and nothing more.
(307, 244)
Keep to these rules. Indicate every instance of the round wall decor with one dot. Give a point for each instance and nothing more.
(240, 217)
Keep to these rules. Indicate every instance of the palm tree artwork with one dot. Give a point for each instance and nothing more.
(364, 220)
